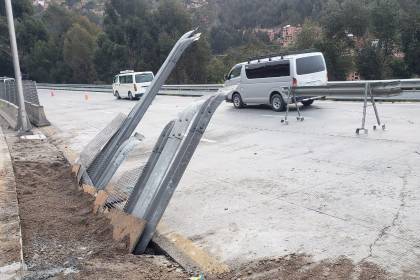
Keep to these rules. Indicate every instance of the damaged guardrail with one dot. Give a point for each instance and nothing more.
(170, 158)
(147, 190)
(105, 163)
(9, 103)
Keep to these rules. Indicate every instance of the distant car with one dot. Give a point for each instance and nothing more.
(131, 85)
(266, 80)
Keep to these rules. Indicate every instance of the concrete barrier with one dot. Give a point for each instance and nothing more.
(36, 115)
(9, 112)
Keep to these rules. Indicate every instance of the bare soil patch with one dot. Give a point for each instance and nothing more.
(62, 238)
(300, 267)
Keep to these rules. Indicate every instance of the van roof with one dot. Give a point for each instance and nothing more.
(134, 73)
(279, 57)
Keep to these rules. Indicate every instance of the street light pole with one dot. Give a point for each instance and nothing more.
(24, 125)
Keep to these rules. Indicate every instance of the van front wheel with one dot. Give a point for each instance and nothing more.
(237, 101)
(130, 96)
(117, 95)
(307, 103)
(277, 103)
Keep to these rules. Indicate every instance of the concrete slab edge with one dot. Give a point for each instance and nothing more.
(12, 265)
(178, 247)
(186, 253)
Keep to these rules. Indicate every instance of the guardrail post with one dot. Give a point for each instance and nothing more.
(368, 94)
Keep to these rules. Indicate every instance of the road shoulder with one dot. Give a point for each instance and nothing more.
(11, 256)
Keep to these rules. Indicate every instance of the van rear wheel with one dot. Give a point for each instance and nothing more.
(237, 101)
(277, 103)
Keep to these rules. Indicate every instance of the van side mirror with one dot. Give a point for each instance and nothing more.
(226, 77)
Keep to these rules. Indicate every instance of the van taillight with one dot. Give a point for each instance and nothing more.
(135, 87)
(295, 83)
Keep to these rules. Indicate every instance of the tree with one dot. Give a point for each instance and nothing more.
(28, 31)
(370, 63)
(79, 49)
(385, 15)
(311, 33)
(410, 36)
(338, 59)
(140, 38)
(6, 68)
(355, 15)
(21, 8)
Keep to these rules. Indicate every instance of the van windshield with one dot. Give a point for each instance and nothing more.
(144, 78)
(310, 64)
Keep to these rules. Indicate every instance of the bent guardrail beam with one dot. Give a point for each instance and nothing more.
(168, 163)
(96, 171)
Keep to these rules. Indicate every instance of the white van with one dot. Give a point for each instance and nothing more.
(131, 85)
(266, 80)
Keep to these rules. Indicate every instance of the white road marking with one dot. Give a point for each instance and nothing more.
(208, 140)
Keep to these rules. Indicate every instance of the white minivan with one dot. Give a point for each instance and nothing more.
(266, 80)
(130, 84)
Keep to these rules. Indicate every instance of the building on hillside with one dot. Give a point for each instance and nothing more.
(273, 34)
(289, 35)
(41, 3)
(195, 4)
(353, 76)
(285, 36)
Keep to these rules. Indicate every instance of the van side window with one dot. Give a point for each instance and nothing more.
(144, 78)
(310, 64)
(236, 72)
(272, 70)
(122, 79)
(129, 79)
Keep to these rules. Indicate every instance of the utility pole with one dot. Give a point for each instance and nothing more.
(24, 125)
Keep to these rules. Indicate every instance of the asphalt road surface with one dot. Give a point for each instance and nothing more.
(256, 188)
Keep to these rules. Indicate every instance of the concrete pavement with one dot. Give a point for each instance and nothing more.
(256, 188)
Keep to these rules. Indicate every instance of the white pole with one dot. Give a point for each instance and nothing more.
(24, 125)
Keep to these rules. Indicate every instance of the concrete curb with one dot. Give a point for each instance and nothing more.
(178, 247)
(12, 264)
(187, 253)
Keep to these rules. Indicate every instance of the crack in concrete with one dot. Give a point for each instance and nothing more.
(384, 231)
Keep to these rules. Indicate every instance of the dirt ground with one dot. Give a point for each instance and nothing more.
(300, 267)
(63, 239)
